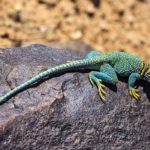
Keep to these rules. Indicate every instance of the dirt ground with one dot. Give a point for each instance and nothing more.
(106, 25)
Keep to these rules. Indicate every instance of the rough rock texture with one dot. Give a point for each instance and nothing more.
(65, 112)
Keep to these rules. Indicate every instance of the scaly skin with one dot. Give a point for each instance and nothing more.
(104, 68)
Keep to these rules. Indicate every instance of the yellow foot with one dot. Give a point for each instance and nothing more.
(134, 93)
(91, 81)
(100, 87)
(101, 91)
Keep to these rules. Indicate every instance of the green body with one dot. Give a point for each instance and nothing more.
(104, 68)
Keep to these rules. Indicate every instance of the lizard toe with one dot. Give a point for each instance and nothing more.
(134, 93)
(101, 91)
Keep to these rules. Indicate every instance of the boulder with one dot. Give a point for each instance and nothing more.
(64, 112)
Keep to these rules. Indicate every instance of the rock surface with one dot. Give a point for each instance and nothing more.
(65, 112)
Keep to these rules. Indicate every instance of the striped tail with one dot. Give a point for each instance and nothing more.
(84, 63)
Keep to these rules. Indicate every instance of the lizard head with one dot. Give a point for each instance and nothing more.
(145, 70)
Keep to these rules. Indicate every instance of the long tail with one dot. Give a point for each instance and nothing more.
(84, 63)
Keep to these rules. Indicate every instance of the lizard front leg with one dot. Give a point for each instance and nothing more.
(131, 83)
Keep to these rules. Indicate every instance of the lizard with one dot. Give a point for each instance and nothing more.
(104, 68)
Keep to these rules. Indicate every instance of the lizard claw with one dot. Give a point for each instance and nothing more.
(91, 81)
(101, 91)
(134, 93)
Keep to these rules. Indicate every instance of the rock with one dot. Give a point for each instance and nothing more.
(76, 35)
(65, 112)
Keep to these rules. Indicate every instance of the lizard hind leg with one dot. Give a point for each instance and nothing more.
(93, 54)
(107, 75)
(94, 80)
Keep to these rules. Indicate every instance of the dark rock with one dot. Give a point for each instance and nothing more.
(65, 112)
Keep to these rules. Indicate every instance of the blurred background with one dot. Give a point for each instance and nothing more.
(106, 25)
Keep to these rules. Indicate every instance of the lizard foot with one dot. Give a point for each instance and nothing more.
(134, 93)
(93, 80)
(101, 90)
